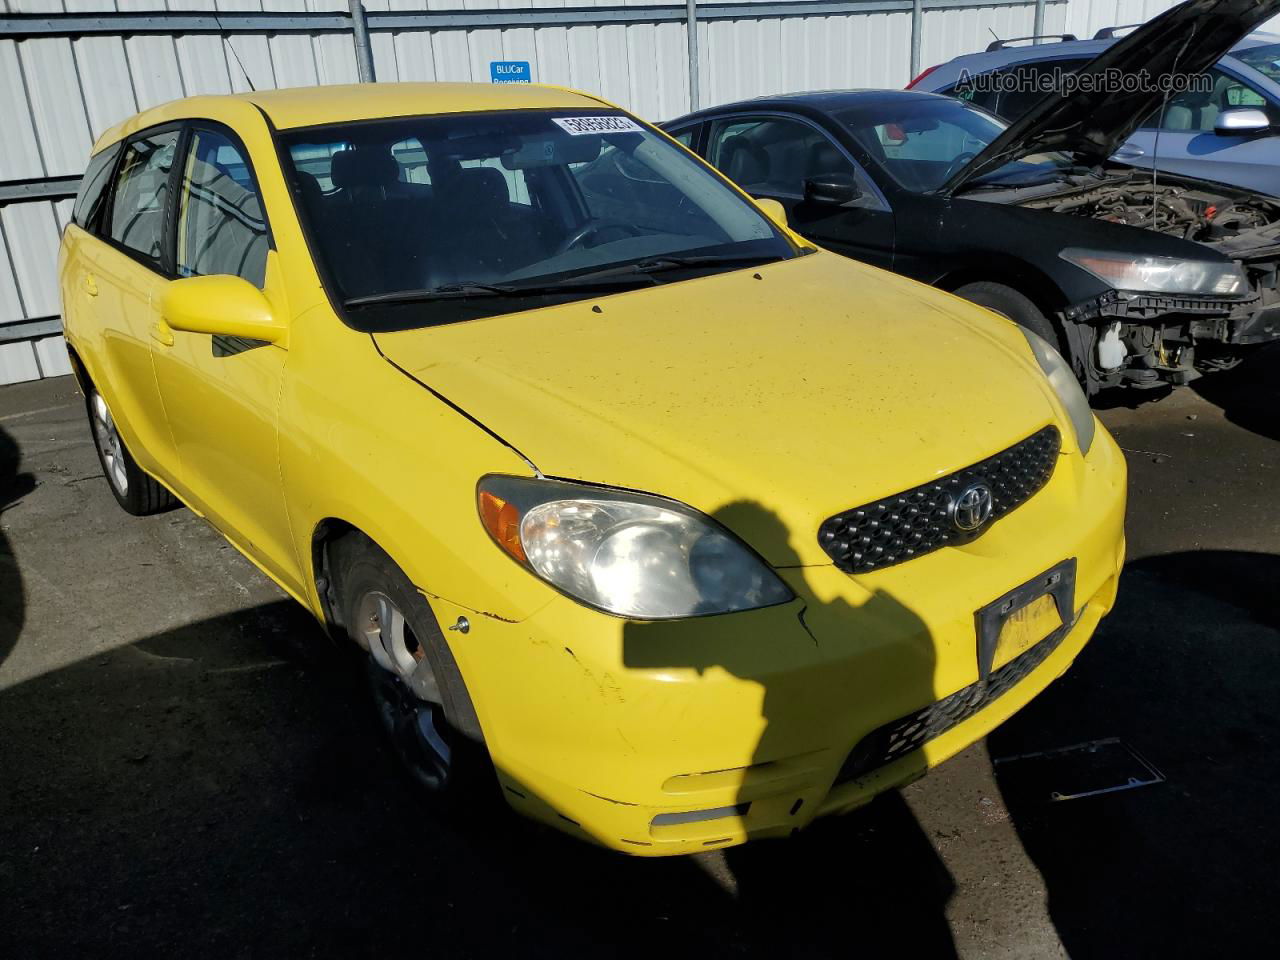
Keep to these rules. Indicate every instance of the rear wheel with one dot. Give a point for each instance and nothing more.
(418, 694)
(135, 491)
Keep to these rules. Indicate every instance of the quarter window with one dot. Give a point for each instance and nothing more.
(138, 202)
(221, 227)
(93, 186)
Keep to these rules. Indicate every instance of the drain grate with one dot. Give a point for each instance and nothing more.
(1081, 770)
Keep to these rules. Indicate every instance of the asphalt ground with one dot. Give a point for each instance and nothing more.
(180, 778)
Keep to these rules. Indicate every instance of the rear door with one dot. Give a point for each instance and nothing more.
(771, 156)
(123, 273)
(221, 394)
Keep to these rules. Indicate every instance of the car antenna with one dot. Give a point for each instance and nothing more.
(994, 34)
(226, 40)
(1155, 143)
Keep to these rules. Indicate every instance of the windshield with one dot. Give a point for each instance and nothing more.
(1265, 59)
(922, 143)
(425, 220)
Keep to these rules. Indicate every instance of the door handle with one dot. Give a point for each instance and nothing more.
(90, 285)
(1129, 153)
(161, 332)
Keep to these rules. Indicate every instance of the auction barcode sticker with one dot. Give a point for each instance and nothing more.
(581, 125)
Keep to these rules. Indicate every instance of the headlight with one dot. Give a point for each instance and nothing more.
(625, 553)
(1066, 386)
(1161, 274)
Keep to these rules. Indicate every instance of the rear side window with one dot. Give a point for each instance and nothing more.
(93, 186)
(138, 202)
(221, 226)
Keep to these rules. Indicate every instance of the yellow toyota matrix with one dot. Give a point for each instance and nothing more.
(632, 504)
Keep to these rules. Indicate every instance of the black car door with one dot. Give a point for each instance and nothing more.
(772, 156)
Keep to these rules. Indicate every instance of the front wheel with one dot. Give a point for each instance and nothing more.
(418, 695)
(1011, 305)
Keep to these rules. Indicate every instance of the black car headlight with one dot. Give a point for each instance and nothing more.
(1173, 275)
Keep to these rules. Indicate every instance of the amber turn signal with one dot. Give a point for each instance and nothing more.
(502, 520)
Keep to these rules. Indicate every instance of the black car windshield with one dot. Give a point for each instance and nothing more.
(423, 220)
(923, 143)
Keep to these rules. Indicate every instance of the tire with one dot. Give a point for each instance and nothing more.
(137, 492)
(1012, 305)
(418, 694)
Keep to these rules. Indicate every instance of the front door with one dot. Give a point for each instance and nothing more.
(221, 394)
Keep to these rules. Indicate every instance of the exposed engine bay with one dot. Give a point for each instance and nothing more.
(1236, 227)
(1145, 339)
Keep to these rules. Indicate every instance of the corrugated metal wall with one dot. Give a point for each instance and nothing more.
(58, 93)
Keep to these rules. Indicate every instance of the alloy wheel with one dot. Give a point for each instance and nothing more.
(110, 446)
(402, 680)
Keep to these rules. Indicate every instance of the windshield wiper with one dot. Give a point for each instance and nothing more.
(652, 265)
(465, 291)
(625, 274)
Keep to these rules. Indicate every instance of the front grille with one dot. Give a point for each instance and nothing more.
(897, 739)
(918, 521)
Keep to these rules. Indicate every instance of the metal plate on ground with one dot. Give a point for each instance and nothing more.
(1081, 770)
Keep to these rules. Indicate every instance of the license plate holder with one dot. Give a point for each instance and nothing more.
(1058, 583)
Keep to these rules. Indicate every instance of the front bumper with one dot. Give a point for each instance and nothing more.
(675, 737)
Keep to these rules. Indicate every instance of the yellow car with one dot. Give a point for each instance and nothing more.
(692, 531)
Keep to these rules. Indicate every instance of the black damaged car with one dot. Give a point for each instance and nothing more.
(1141, 278)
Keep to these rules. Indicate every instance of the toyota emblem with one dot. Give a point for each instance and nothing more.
(972, 507)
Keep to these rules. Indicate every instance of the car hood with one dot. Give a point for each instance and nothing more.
(1094, 120)
(822, 385)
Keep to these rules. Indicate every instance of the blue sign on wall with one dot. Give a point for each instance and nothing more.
(510, 71)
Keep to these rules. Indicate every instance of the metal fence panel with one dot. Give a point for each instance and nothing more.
(58, 92)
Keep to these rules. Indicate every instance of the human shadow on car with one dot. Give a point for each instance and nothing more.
(13, 486)
(874, 869)
(1184, 671)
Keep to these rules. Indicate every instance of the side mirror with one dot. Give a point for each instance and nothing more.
(832, 189)
(1241, 122)
(776, 211)
(223, 305)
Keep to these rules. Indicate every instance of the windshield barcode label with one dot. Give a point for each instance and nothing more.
(582, 125)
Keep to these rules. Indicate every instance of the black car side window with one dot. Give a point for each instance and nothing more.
(136, 220)
(774, 155)
(93, 187)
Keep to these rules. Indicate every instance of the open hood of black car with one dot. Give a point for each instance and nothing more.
(1093, 120)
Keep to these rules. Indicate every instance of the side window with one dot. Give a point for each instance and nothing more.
(93, 186)
(1196, 110)
(221, 227)
(685, 136)
(1022, 87)
(774, 155)
(979, 91)
(138, 201)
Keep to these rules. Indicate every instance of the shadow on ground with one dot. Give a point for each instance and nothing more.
(1185, 670)
(1249, 395)
(13, 486)
(207, 793)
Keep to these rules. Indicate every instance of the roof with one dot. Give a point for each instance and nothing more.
(338, 103)
(945, 74)
(818, 101)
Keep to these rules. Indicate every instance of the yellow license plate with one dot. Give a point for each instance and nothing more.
(1025, 628)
